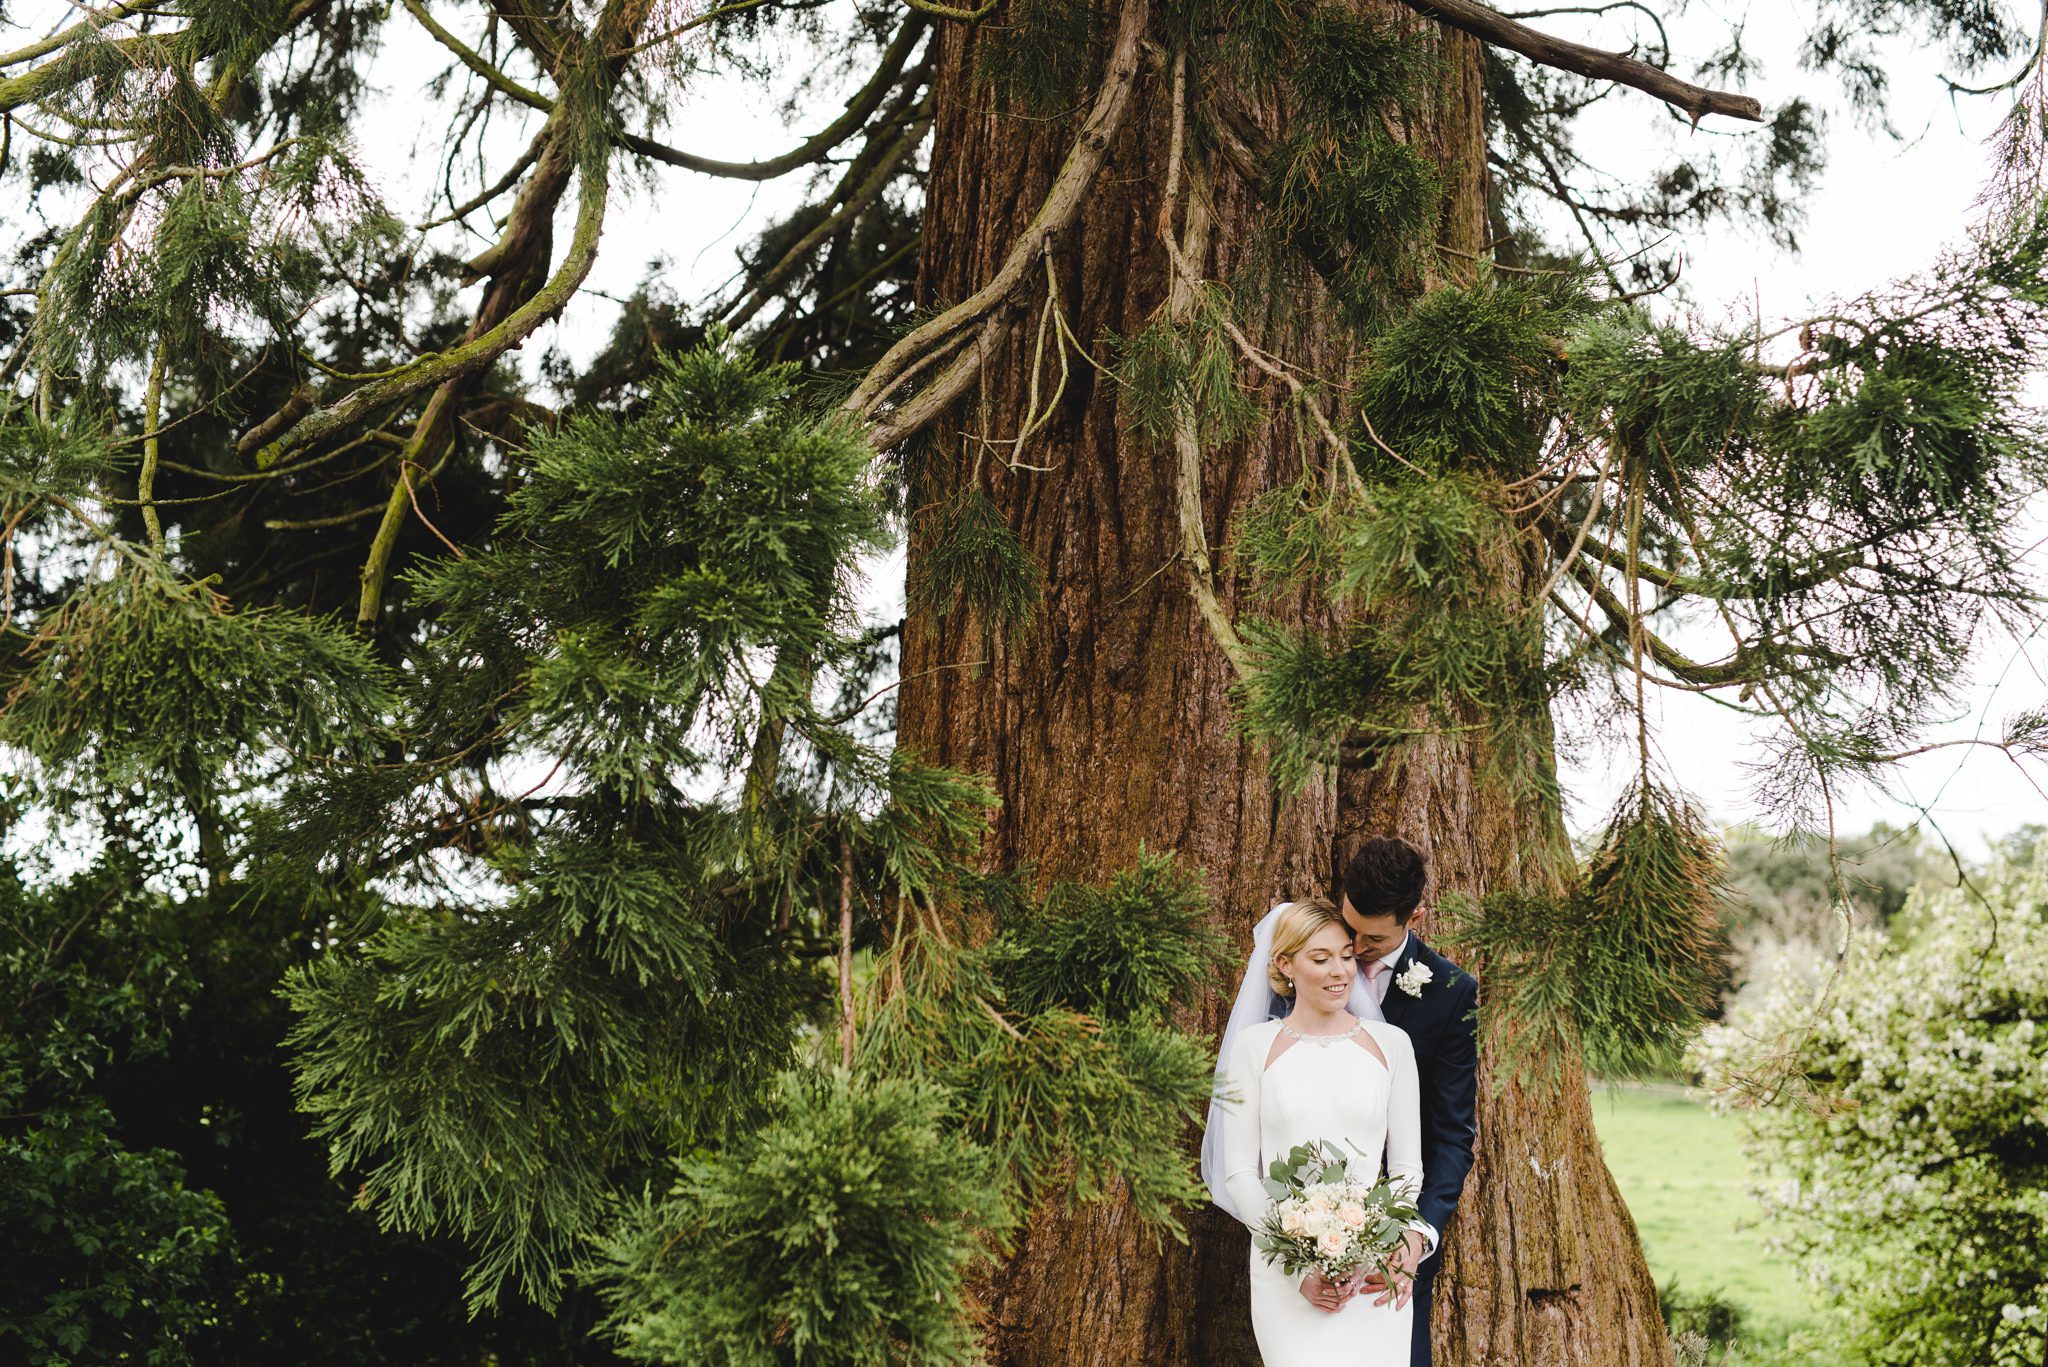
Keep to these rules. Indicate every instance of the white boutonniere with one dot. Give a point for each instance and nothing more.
(1415, 979)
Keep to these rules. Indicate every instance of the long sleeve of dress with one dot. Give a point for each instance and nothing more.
(1404, 1126)
(1243, 1170)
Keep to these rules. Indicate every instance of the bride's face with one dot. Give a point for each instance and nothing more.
(1323, 969)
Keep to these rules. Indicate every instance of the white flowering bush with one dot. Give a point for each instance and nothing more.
(1903, 1118)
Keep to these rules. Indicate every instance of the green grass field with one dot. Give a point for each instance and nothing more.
(1682, 1171)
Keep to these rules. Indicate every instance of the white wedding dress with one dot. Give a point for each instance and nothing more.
(1312, 1091)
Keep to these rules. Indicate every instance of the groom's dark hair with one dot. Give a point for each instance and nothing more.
(1385, 878)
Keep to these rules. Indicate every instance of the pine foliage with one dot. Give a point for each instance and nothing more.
(842, 1231)
(1345, 196)
(1621, 970)
(581, 989)
(576, 965)
(227, 248)
(1040, 55)
(975, 565)
(646, 557)
(1465, 380)
(1134, 948)
(1186, 366)
(1058, 1051)
(142, 677)
(1429, 644)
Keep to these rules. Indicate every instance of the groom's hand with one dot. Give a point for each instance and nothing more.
(1323, 1293)
(1406, 1259)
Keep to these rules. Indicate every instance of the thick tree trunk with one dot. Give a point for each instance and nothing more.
(1107, 727)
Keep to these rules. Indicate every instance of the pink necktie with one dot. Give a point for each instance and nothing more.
(1372, 979)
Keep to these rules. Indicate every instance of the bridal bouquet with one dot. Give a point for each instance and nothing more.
(1322, 1218)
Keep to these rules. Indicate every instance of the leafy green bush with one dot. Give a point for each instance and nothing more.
(105, 1254)
(1906, 1112)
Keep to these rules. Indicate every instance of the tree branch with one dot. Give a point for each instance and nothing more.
(95, 20)
(152, 415)
(467, 55)
(1491, 26)
(861, 187)
(1062, 205)
(1181, 298)
(485, 196)
(1747, 664)
(476, 353)
(908, 418)
(61, 73)
(859, 109)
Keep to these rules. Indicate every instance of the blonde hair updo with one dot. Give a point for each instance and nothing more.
(1298, 924)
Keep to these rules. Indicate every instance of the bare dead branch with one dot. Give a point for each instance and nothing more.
(1491, 26)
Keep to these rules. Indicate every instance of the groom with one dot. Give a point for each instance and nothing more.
(1406, 983)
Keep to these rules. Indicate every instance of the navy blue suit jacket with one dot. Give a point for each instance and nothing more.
(1442, 1022)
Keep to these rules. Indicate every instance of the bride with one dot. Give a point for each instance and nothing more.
(1321, 1073)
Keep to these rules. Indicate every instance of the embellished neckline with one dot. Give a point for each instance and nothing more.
(1325, 1041)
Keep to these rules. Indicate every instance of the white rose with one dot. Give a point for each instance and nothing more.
(1293, 1222)
(1415, 979)
(1333, 1243)
(1352, 1214)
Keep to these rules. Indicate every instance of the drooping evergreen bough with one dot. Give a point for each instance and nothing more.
(635, 925)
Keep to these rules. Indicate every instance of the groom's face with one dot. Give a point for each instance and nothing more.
(1373, 937)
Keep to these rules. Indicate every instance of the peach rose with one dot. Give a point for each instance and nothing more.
(1332, 1243)
(1352, 1214)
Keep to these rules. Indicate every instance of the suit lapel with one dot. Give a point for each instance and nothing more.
(1397, 1002)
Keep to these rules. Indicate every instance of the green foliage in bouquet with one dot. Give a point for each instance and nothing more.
(1905, 1122)
(1312, 1188)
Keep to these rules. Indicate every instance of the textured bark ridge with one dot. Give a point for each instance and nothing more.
(1106, 727)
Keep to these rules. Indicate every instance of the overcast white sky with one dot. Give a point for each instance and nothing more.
(1885, 208)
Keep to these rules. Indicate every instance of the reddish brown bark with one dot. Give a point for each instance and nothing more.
(1106, 726)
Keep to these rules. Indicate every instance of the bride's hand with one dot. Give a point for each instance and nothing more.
(1323, 1293)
